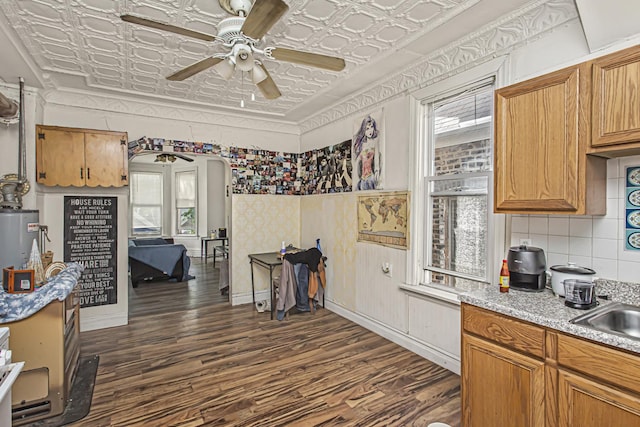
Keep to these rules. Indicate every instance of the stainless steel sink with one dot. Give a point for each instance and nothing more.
(617, 318)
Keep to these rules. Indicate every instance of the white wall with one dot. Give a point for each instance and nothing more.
(216, 195)
(357, 287)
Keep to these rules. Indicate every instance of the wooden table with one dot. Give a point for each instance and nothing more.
(204, 241)
(268, 260)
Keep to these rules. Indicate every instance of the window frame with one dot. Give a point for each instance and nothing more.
(416, 272)
(177, 208)
(133, 205)
(430, 105)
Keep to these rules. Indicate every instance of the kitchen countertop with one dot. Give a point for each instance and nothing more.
(546, 309)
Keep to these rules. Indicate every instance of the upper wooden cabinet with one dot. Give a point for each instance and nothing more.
(616, 103)
(542, 133)
(81, 157)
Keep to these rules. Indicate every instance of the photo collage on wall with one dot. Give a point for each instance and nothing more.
(263, 172)
(320, 171)
(326, 170)
(167, 145)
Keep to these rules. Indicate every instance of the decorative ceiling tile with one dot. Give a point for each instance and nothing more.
(319, 10)
(103, 45)
(391, 34)
(358, 23)
(65, 65)
(54, 49)
(70, 40)
(99, 25)
(51, 33)
(111, 61)
(299, 32)
(43, 10)
(387, 4)
(422, 12)
(107, 6)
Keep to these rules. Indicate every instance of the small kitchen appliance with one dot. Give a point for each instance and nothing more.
(527, 265)
(580, 294)
(560, 273)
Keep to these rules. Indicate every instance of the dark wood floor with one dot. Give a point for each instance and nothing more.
(187, 358)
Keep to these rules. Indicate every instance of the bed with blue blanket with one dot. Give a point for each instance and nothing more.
(156, 260)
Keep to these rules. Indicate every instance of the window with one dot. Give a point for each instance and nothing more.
(458, 188)
(186, 203)
(146, 203)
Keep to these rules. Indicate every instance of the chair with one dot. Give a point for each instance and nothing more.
(224, 251)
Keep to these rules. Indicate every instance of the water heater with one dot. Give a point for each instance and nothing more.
(18, 228)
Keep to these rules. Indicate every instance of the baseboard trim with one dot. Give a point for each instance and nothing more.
(239, 299)
(430, 353)
(88, 323)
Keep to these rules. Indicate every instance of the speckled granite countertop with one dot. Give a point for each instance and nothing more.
(545, 309)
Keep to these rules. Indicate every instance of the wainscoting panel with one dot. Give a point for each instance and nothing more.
(436, 323)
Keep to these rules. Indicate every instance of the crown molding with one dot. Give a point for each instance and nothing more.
(158, 109)
(497, 39)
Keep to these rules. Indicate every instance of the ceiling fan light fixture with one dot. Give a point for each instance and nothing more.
(164, 158)
(243, 57)
(225, 68)
(257, 74)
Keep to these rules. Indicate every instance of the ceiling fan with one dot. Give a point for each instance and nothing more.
(242, 35)
(171, 157)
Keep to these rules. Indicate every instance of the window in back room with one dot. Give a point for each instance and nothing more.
(146, 203)
(186, 218)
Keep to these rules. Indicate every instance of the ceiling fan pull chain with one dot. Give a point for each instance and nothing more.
(242, 89)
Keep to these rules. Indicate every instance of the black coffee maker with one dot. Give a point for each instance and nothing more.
(527, 268)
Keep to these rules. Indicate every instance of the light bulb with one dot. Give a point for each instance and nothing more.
(242, 103)
(253, 96)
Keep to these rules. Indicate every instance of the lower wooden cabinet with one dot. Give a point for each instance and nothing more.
(518, 374)
(500, 387)
(586, 403)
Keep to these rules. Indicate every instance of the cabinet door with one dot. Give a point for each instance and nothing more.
(540, 143)
(106, 159)
(500, 387)
(584, 403)
(59, 156)
(616, 98)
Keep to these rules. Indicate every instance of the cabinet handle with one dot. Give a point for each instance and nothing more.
(81, 175)
(88, 173)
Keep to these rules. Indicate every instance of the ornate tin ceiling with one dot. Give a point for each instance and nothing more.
(83, 44)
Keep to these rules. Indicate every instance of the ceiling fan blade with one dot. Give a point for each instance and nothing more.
(268, 86)
(192, 69)
(183, 157)
(263, 15)
(167, 27)
(306, 58)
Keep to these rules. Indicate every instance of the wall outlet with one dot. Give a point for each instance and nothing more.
(525, 242)
(387, 269)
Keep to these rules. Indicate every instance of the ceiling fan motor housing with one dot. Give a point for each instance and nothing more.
(229, 28)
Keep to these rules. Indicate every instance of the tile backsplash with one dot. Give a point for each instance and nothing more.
(597, 242)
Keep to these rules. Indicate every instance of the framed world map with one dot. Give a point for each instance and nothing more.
(383, 218)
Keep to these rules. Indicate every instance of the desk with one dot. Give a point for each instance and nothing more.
(204, 241)
(269, 260)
